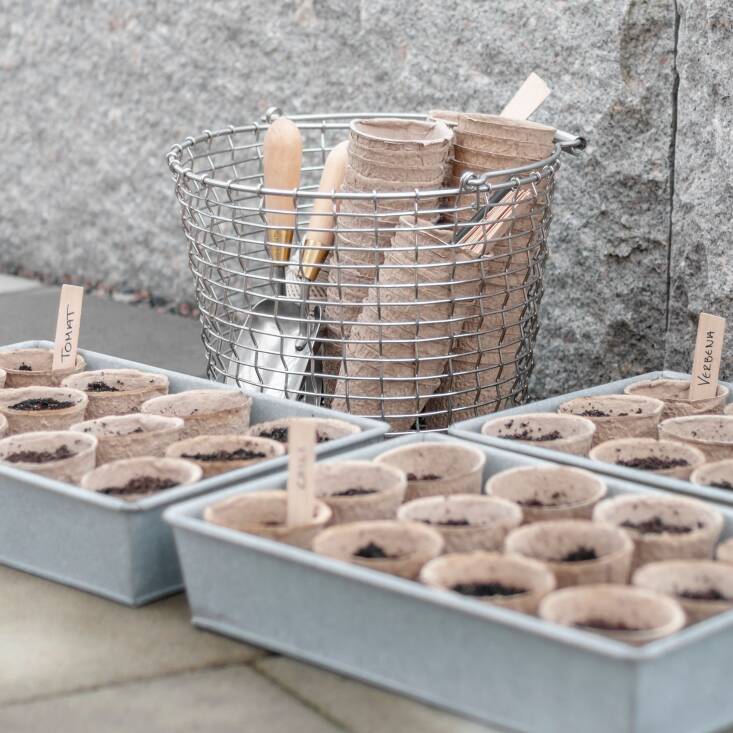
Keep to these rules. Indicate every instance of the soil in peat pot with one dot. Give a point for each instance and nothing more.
(37, 404)
(656, 525)
(356, 491)
(373, 551)
(556, 498)
(100, 387)
(426, 477)
(581, 554)
(602, 625)
(487, 589)
(722, 484)
(712, 594)
(652, 463)
(143, 485)
(240, 454)
(35, 456)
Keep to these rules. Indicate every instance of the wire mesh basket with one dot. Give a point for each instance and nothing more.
(425, 310)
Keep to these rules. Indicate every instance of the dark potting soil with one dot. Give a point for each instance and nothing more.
(712, 594)
(136, 430)
(240, 454)
(487, 589)
(373, 551)
(426, 477)
(140, 485)
(453, 523)
(656, 525)
(25, 367)
(593, 413)
(281, 435)
(34, 456)
(652, 463)
(37, 404)
(602, 625)
(580, 555)
(555, 498)
(356, 491)
(527, 435)
(100, 387)
(722, 484)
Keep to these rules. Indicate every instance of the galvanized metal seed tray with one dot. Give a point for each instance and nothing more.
(485, 662)
(114, 548)
(471, 430)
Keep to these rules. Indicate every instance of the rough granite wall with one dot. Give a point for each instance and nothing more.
(94, 93)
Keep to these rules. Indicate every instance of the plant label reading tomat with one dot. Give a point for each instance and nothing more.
(301, 457)
(706, 362)
(68, 324)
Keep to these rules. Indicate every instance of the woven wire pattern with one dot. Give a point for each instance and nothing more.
(416, 327)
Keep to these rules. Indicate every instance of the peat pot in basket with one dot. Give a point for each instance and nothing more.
(405, 285)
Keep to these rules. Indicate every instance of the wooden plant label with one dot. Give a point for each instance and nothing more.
(706, 363)
(68, 324)
(528, 98)
(301, 455)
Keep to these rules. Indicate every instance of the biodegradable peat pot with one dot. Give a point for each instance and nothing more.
(712, 434)
(264, 513)
(117, 391)
(135, 478)
(397, 548)
(434, 469)
(466, 521)
(718, 474)
(61, 455)
(703, 588)
(577, 551)
(565, 433)
(389, 135)
(663, 457)
(359, 490)
(216, 454)
(326, 428)
(130, 436)
(618, 416)
(724, 553)
(503, 580)
(32, 368)
(664, 527)
(634, 615)
(204, 411)
(549, 492)
(28, 409)
(675, 393)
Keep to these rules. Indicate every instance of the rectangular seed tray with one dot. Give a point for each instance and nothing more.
(117, 549)
(483, 661)
(471, 430)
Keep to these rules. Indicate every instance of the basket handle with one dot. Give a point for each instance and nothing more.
(572, 144)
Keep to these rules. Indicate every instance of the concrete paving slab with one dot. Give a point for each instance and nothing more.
(13, 284)
(134, 332)
(54, 640)
(358, 707)
(230, 700)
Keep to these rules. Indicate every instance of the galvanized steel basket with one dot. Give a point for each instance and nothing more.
(416, 327)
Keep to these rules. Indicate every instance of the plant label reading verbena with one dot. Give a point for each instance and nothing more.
(68, 324)
(706, 363)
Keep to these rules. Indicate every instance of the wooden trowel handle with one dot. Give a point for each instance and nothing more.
(322, 216)
(283, 155)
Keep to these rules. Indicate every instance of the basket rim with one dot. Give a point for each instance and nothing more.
(532, 173)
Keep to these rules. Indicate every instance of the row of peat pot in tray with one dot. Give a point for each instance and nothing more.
(107, 445)
(440, 545)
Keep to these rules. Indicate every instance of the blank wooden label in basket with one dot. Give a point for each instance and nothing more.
(706, 363)
(528, 98)
(301, 457)
(68, 324)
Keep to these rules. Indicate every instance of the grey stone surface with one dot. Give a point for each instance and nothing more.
(361, 708)
(229, 700)
(132, 332)
(99, 92)
(56, 640)
(702, 269)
